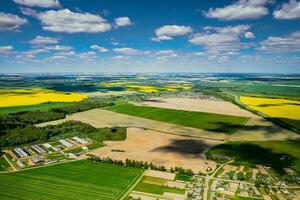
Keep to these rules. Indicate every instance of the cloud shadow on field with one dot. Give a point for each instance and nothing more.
(185, 146)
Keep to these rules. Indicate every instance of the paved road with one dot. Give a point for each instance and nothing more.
(208, 178)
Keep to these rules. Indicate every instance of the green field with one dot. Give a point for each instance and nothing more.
(3, 164)
(75, 180)
(182, 177)
(40, 107)
(201, 120)
(262, 152)
(155, 186)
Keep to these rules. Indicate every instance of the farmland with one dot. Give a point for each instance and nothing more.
(172, 122)
(22, 97)
(143, 88)
(74, 180)
(39, 107)
(200, 105)
(164, 149)
(200, 120)
(156, 186)
(283, 109)
(262, 152)
(3, 164)
(101, 118)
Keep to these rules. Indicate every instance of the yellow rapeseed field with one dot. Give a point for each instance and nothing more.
(142, 88)
(283, 108)
(111, 84)
(145, 88)
(22, 97)
(176, 87)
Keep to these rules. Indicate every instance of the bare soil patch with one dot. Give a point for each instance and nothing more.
(200, 105)
(159, 174)
(160, 149)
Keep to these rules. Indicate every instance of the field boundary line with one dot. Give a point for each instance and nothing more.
(131, 186)
(273, 120)
(7, 160)
(41, 166)
(183, 135)
(151, 195)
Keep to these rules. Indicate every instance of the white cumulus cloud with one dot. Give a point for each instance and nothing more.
(59, 48)
(65, 53)
(166, 54)
(6, 49)
(10, 22)
(289, 43)
(38, 3)
(290, 10)
(66, 21)
(123, 21)
(31, 53)
(249, 35)
(99, 48)
(224, 40)
(89, 56)
(243, 9)
(42, 40)
(169, 31)
(129, 51)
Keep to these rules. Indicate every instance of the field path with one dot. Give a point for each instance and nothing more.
(132, 186)
(13, 167)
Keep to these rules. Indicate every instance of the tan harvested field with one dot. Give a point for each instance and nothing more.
(161, 149)
(228, 168)
(176, 184)
(159, 174)
(262, 169)
(100, 118)
(254, 172)
(255, 129)
(200, 105)
(260, 129)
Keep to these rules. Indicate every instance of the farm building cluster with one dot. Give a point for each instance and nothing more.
(48, 152)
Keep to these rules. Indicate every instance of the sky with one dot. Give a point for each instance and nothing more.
(260, 36)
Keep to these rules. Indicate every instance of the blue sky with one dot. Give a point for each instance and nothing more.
(150, 36)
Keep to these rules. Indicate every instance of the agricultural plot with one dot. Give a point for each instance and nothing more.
(101, 118)
(200, 120)
(22, 97)
(74, 180)
(270, 153)
(4, 165)
(128, 86)
(260, 129)
(156, 186)
(285, 110)
(39, 107)
(161, 149)
(109, 93)
(199, 105)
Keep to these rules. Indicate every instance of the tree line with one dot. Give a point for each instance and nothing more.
(139, 164)
(19, 128)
